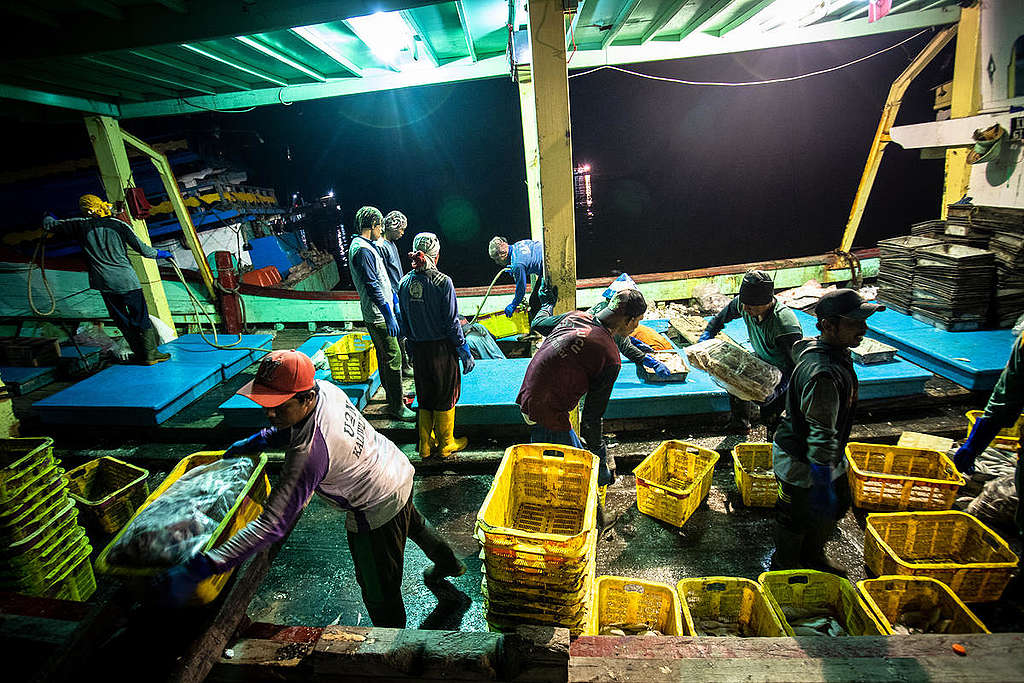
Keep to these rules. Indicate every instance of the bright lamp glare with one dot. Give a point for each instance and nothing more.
(386, 34)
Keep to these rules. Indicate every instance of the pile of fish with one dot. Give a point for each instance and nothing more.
(724, 629)
(806, 622)
(923, 621)
(623, 629)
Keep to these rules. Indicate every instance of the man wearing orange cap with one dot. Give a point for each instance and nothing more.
(104, 239)
(331, 450)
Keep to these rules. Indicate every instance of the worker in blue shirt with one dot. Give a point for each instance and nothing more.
(377, 302)
(429, 317)
(523, 260)
(395, 224)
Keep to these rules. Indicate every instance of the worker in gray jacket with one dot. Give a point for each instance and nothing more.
(809, 447)
(395, 224)
(104, 239)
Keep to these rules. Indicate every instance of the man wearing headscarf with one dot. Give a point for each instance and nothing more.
(395, 224)
(429, 317)
(103, 238)
(773, 329)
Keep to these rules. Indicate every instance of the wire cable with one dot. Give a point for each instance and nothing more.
(768, 81)
(40, 252)
(221, 111)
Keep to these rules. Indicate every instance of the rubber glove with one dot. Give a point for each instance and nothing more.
(394, 299)
(644, 348)
(390, 321)
(176, 586)
(822, 499)
(253, 444)
(660, 369)
(467, 358)
(704, 336)
(981, 436)
(509, 310)
(49, 220)
(160, 253)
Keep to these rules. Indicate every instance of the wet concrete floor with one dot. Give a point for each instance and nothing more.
(312, 581)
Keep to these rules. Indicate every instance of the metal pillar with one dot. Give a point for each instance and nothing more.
(966, 100)
(550, 81)
(108, 145)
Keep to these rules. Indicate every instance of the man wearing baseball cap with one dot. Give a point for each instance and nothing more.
(773, 329)
(808, 449)
(331, 450)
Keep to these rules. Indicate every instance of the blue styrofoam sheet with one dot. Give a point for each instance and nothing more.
(489, 394)
(20, 381)
(149, 395)
(971, 359)
(882, 380)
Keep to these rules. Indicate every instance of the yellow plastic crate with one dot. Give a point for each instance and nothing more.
(1008, 438)
(108, 492)
(41, 580)
(891, 596)
(952, 547)
(543, 501)
(246, 508)
(622, 600)
(33, 549)
(49, 495)
(352, 358)
(500, 325)
(728, 599)
(21, 463)
(77, 582)
(672, 481)
(544, 572)
(757, 490)
(894, 478)
(810, 590)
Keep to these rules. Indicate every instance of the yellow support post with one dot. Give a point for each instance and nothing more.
(965, 102)
(889, 112)
(163, 167)
(108, 145)
(527, 104)
(550, 80)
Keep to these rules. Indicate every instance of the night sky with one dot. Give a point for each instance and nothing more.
(684, 176)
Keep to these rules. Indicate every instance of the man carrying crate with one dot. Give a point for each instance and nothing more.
(331, 450)
(578, 357)
(809, 447)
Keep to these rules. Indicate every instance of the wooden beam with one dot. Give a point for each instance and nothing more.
(103, 7)
(419, 34)
(619, 22)
(32, 13)
(190, 69)
(554, 143)
(667, 14)
(316, 41)
(16, 92)
(228, 61)
(741, 18)
(703, 15)
(148, 75)
(467, 31)
(881, 139)
(175, 5)
(966, 101)
(115, 172)
(528, 108)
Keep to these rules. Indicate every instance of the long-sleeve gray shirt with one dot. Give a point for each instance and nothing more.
(104, 240)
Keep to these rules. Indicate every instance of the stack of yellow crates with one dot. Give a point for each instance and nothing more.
(45, 550)
(536, 527)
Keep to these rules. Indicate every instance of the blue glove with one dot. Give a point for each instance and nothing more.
(822, 499)
(644, 348)
(660, 369)
(704, 336)
(253, 444)
(981, 436)
(49, 221)
(509, 310)
(176, 586)
(390, 321)
(467, 358)
(160, 253)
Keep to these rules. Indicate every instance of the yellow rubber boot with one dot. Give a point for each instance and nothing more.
(424, 430)
(444, 430)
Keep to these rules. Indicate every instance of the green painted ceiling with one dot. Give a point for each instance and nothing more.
(133, 58)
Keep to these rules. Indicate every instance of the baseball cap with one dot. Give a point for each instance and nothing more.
(845, 303)
(280, 376)
(757, 288)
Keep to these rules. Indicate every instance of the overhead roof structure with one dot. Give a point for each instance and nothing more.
(137, 58)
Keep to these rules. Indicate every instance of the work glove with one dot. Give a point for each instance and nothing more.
(981, 436)
(49, 221)
(509, 310)
(253, 444)
(644, 348)
(660, 369)
(176, 586)
(160, 253)
(822, 500)
(390, 322)
(467, 358)
(704, 336)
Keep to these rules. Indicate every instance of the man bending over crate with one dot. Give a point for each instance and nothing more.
(331, 450)
(809, 446)
(578, 357)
